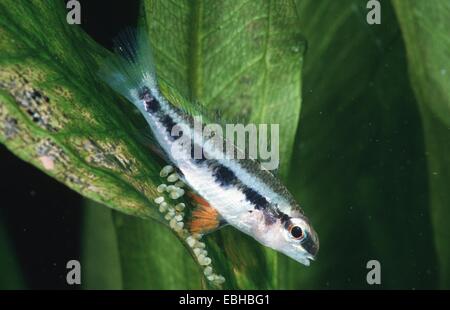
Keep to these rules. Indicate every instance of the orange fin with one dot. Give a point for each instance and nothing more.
(204, 218)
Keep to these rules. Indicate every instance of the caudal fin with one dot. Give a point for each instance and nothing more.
(132, 67)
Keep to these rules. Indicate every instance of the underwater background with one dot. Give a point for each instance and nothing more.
(364, 112)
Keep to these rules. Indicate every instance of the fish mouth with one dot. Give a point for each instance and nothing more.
(310, 258)
(306, 255)
(307, 252)
(304, 258)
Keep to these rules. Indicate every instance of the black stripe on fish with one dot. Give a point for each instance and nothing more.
(168, 122)
(273, 214)
(284, 218)
(255, 198)
(151, 104)
(224, 175)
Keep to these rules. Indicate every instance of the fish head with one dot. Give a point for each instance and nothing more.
(293, 236)
(301, 240)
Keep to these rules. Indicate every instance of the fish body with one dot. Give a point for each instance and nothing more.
(243, 193)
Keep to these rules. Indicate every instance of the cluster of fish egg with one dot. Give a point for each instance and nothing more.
(200, 252)
(174, 214)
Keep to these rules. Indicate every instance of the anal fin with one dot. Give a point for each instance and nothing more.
(204, 218)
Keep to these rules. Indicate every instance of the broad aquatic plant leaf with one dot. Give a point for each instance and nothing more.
(56, 115)
(153, 258)
(359, 164)
(244, 59)
(426, 31)
(100, 258)
(157, 259)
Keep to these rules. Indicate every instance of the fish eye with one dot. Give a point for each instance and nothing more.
(296, 232)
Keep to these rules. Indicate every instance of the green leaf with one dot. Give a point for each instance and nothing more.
(152, 258)
(244, 59)
(359, 167)
(56, 115)
(100, 256)
(426, 28)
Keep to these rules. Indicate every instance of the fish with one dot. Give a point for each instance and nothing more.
(226, 190)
